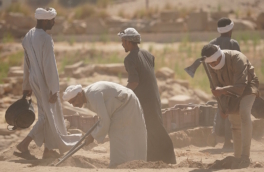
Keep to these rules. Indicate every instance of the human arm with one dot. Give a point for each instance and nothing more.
(240, 76)
(50, 71)
(132, 85)
(27, 91)
(97, 103)
(133, 78)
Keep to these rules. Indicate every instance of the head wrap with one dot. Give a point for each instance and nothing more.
(130, 34)
(215, 56)
(71, 91)
(226, 28)
(43, 14)
(221, 64)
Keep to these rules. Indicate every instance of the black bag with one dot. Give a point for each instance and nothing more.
(20, 114)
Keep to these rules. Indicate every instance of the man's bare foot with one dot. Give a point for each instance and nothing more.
(22, 148)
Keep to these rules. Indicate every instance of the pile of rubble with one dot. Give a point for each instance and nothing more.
(172, 91)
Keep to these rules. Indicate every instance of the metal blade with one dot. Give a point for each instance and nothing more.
(192, 69)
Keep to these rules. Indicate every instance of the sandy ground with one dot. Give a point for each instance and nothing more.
(96, 158)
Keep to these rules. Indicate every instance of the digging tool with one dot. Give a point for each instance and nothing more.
(77, 146)
(192, 69)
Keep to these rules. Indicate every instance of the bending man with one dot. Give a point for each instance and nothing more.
(41, 77)
(232, 74)
(120, 116)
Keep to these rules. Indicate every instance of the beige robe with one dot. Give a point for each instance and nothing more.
(41, 76)
(121, 117)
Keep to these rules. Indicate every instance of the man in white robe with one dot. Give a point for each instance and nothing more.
(120, 115)
(41, 77)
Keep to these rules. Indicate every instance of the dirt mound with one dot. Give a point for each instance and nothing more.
(225, 163)
(137, 164)
(84, 162)
(191, 164)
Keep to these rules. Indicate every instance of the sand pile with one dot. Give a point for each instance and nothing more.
(143, 164)
(191, 164)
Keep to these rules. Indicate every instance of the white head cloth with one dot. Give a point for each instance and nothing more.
(226, 28)
(43, 14)
(130, 34)
(215, 56)
(71, 91)
(221, 64)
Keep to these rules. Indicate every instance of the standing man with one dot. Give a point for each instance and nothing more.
(141, 79)
(41, 77)
(120, 116)
(222, 127)
(232, 74)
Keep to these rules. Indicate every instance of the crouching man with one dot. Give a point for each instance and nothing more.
(121, 117)
(232, 74)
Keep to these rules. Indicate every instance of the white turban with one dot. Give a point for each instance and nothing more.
(43, 14)
(226, 28)
(215, 56)
(71, 92)
(130, 34)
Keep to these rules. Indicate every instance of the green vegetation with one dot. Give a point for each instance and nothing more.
(88, 11)
(19, 8)
(15, 59)
(8, 38)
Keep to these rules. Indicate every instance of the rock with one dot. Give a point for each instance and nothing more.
(217, 15)
(67, 124)
(99, 149)
(159, 26)
(112, 69)
(96, 26)
(183, 83)
(181, 99)
(197, 21)
(202, 95)
(19, 20)
(169, 15)
(260, 21)
(84, 72)
(165, 73)
(164, 103)
(75, 27)
(15, 73)
(2, 91)
(244, 25)
(4, 132)
(6, 87)
(70, 69)
(76, 131)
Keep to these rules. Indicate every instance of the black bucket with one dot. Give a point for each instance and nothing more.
(20, 114)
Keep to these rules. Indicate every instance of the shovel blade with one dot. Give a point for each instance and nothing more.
(192, 69)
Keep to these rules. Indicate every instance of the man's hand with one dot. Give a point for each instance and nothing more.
(89, 139)
(27, 93)
(218, 92)
(223, 115)
(53, 98)
(132, 85)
